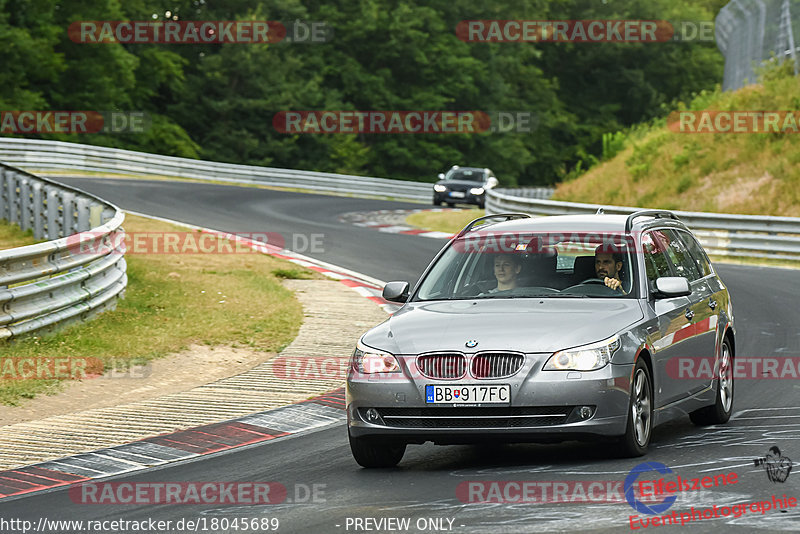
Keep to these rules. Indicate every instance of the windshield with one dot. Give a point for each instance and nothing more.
(486, 265)
(469, 175)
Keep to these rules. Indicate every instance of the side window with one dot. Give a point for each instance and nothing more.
(655, 260)
(679, 256)
(698, 254)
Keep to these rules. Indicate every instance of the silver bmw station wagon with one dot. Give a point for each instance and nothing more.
(547, 329)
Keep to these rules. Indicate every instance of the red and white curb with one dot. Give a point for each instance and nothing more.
(364, 285)
(393, 222)
(316, 413)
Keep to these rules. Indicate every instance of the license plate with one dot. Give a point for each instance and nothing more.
(468, 394)
(457, 194)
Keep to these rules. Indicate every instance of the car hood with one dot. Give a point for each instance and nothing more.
(524, 325)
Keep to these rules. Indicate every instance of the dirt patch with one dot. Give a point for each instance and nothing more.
(741, 193)
(197, 365)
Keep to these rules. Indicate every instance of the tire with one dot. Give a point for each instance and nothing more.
(639, 426)
(450, 204)
(371, 452)
(719, 412)
(437, 201)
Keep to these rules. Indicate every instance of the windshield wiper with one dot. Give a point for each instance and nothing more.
(561, 295)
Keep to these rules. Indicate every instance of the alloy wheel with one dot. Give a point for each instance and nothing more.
(641, 407)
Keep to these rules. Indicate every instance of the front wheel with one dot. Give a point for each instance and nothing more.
(371, 452)
(719, 412)
(640, 413)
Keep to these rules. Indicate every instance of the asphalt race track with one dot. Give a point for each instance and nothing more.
(428, 487)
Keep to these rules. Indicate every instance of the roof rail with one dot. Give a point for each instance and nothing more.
(648, 213)
(508, 217)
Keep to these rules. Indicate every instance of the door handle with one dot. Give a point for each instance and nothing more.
(712, 303)
(689, 314)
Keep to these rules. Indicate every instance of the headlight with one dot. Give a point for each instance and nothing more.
(585, 358)
(476, 191)
(439, 188)
(367, 360)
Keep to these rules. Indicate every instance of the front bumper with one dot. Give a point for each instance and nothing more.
(543, 407)
(468, 198)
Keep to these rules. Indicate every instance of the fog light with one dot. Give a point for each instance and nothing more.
(373, 416)
(585, 412)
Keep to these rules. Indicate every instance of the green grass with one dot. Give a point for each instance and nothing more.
(171, 302)
(444, 221)
(292, 274)
(750, 173)
(12, 236)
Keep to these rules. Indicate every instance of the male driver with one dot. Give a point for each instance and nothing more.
(607, 266)
(506, 270)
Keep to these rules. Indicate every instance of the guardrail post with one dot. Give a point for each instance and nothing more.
(5, 202)
(25, 215)
(54, 223)
(13, 198)
(37, 211)
(69, 223)
(95, 215)
(82, 207)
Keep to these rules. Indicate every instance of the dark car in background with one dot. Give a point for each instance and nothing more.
(463, 185)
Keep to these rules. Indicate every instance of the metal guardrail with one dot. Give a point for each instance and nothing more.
(753, 236)
(78, 273)
(35, 154)
(752, 32)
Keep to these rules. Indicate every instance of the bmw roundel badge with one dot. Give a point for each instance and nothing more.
(471, 343)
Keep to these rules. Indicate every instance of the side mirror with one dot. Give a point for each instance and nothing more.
(491, 182)
(441, 176)
(672, 286)
(396, 292)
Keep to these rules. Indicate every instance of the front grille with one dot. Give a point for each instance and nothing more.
(496, 364)
(505, 417)
(445, 365)
(461, 187)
